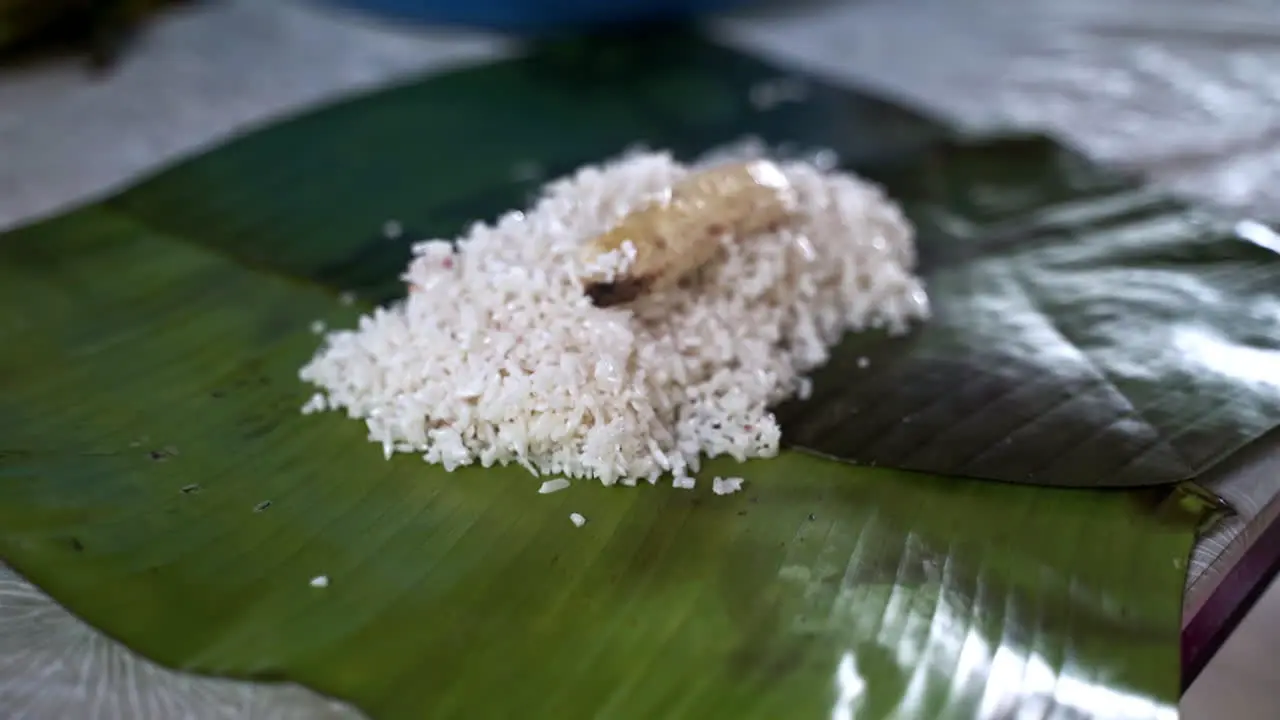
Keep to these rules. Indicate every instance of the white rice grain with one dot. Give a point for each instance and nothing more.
(684, 483)
(498, 357)
(577, 520)
(551, 486)
(315, 404)
(726, 486)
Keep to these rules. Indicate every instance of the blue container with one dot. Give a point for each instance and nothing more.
(539, 15)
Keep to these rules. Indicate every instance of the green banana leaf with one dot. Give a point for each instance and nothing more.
(157, 478)
(1088, 331)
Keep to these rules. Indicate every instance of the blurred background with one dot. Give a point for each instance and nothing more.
(1184, 91)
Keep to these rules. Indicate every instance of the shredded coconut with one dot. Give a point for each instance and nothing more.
(551, 486)
(314, 405)
(497, 356)
(726, 486)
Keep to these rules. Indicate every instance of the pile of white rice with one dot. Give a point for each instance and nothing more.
(498, 357)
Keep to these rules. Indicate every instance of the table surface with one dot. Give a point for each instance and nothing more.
(1182, 90)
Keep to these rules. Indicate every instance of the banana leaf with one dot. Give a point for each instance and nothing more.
(157, 478)
(1089, 331)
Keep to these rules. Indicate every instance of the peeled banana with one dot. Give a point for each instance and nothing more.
(657, 245)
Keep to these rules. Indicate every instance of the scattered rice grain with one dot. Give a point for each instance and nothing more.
(551, 486)
(320, 581)
(577, 519)
(684, 483)
(726, 486)
(314, 405)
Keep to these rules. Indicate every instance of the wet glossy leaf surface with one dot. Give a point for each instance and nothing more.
(157, 478)
(1087, 331)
